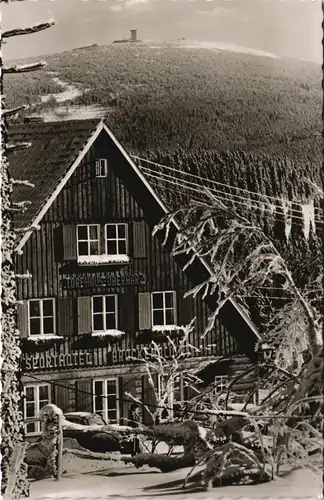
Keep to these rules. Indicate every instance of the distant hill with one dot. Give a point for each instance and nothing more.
(235, 116)
(191, 95)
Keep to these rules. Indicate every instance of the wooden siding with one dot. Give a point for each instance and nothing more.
(50, 252)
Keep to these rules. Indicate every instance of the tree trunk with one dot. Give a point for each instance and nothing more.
(12, 432)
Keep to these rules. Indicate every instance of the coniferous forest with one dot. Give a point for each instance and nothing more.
(242, 120)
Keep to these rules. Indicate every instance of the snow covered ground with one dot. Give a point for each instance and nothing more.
(93, 478)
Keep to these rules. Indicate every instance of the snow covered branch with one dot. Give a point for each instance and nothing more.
(22, 183)
(18, 146)
(24, 68)
(27, 229)
(8, 113)
(30, 29)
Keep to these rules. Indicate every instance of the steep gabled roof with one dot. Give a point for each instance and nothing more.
(54, 147)
(56, 151)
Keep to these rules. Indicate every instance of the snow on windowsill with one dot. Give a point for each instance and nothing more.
(166, 328)
(108, 333)
(37, 338)
(96, 260)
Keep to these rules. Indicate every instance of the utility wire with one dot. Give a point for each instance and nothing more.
(205, 179)
(213, 190)
(223, 198)
(183, 182)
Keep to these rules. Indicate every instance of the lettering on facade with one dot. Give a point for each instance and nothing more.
(104, 280)
(48, 361)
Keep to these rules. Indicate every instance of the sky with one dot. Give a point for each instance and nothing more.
(289, 28)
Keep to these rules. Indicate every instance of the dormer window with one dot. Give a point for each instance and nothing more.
(101, 167)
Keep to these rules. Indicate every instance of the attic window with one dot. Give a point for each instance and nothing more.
(101, 167)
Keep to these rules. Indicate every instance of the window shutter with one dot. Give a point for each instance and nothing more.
(186, 310)
(126, 384)
(69, 242)
(144, 311)
(84, 395)
(64, 316)
(23, 319)
(149, 397)
(84, 315)
(63, 394)
(126, 316)
(139, 239)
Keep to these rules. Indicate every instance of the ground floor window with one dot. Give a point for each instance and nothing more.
(36, 396)
(105, 399)
(220, 386)
(175, 393)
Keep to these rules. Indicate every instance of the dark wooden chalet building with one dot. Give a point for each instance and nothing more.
(96, 268)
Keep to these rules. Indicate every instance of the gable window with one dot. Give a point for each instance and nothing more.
(88, 239)
(116, 239)
(104, 313)
(41, 317)
(105, 399)
(163, 309)
(36, 396)
(101, 167)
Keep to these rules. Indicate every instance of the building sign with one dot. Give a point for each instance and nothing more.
(46, 361)
(103, 279)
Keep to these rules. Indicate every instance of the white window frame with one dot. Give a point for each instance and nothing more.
(105, 398)
(88, 240)
(170, 402)
(37, 410)
(101, 162)
(219, 388)
(42, 317)
(116, 224)
(164, 309)
(104, 312)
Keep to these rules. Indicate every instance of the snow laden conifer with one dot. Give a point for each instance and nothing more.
(14, 483)
(241, 259)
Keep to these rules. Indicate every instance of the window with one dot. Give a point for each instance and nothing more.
(116, 239)
(88, 239)
(41, 317)
(36, 396)
(175, 392)
(104, 313)
(105, 400)
(163, 309)
(101, 167)
(220, 385)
